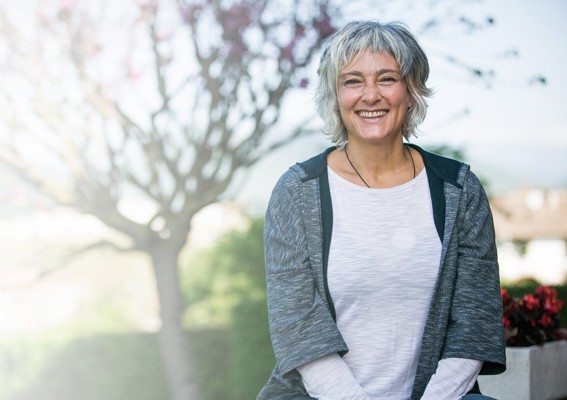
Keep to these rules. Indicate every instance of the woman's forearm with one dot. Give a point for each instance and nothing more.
(329, 378)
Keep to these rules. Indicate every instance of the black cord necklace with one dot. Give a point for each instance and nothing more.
(362, 179)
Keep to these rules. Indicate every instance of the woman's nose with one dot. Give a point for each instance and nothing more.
(371, 94)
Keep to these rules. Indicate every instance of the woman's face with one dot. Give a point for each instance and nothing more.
(373, 99)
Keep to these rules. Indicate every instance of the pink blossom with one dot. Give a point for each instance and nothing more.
(65, 5)
(190, 13)
(147, 5)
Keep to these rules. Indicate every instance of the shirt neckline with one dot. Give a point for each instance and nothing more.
(335, 176)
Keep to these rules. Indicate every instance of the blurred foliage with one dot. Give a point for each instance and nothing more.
(217, 279)
(251, 358)
(225, 285)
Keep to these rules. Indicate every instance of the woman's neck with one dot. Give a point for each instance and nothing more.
(375, 160)
(377, 166)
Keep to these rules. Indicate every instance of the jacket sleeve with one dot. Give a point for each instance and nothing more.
(301, 326)
(475, 329)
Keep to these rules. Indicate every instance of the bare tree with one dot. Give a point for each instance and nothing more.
(164, 100)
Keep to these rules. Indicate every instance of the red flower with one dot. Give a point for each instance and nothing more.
(531, 302)
(534, 319)
(553, 306)
(546, 291)
(545, 321)
(505, 295)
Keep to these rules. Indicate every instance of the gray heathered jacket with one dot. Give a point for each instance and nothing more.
(465, 315)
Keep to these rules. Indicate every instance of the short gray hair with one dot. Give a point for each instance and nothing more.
(356, 37)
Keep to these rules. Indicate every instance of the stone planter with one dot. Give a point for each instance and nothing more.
(533, 373)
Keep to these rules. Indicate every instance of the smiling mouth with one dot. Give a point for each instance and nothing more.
(372, 114)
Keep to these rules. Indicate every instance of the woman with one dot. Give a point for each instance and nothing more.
(380, 257)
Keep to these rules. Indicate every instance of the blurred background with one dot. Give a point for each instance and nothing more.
(140, 141)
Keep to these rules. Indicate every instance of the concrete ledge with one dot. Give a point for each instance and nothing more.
(533, 373)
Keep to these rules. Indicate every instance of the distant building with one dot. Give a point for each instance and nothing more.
(531, 230)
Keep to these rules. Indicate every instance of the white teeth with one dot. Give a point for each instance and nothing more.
(372, 114)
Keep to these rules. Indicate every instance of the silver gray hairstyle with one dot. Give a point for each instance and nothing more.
(356, 37)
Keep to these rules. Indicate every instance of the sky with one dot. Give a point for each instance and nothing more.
(515, 134)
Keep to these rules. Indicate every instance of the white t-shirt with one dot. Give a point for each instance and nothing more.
(383, 265)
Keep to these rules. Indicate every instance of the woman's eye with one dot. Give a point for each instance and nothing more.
(388, 79)
(351, 82)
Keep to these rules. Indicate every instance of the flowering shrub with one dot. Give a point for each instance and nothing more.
(533, 319)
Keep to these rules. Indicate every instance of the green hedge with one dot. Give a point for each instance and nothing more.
(251, 358)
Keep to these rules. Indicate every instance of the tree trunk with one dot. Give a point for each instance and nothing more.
(174, 343)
